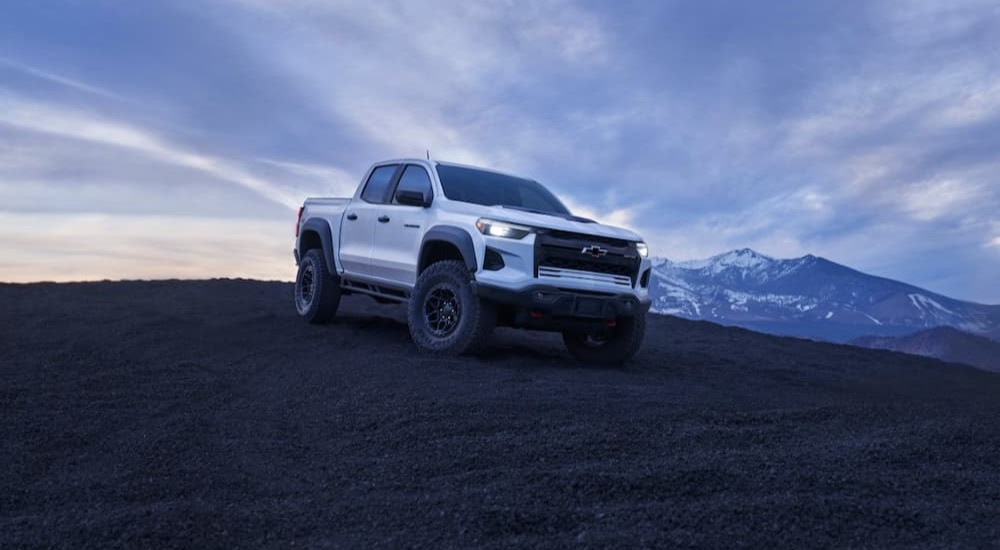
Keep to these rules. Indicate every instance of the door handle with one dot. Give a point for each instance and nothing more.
(352, 216)
(383, 219)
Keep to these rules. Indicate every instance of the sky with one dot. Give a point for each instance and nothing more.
(176, 139)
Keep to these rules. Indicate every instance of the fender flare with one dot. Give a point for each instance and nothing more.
(322, 228)
(455, 236)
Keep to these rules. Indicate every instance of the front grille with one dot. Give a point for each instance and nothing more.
(561, 250)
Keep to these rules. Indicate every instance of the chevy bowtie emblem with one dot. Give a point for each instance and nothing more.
(594, 251)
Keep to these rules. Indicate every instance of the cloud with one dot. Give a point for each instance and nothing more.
(443, 85)
(618, 216)
(75, 124)
(993, 240)
(338, 181)
(978, 102)
(931, 200)
(59, 79)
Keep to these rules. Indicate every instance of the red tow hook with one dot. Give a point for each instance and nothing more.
(612, 323)
(535, 314)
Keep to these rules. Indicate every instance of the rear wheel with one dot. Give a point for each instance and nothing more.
(608, 345)
(317, 292)
(445, 314)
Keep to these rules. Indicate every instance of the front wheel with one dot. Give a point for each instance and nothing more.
(445, 314)
(317, 292)
(610, 345)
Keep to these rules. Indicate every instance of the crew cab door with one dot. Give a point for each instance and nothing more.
(357, 230)
(400, 228)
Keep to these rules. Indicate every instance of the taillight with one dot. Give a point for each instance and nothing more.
(298, 222)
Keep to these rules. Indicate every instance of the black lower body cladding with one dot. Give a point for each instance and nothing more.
(556, 303)
(597, 327)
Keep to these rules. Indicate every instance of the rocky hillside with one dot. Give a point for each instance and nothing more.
(205, 414)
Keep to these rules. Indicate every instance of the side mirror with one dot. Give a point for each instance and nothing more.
(412, 198)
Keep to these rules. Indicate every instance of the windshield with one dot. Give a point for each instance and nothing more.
(492, 189)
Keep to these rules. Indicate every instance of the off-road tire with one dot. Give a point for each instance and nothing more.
(317, 292)
(613, 345)
(445, 314)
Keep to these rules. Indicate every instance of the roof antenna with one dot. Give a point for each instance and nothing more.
(428, 154)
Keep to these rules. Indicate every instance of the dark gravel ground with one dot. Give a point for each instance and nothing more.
(204, 414)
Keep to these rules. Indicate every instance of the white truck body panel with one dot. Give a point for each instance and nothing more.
(388, 252)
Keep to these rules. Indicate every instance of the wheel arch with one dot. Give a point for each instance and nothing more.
(446, 242)
(316, 233)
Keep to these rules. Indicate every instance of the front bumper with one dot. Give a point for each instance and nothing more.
(521, 274)
(543, 302)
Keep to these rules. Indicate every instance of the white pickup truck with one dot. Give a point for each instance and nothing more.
(469, 249)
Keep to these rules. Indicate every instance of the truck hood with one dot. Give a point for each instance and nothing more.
(547, 221)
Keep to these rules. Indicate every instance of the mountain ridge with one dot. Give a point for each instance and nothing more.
(945, 343)
(809, 296)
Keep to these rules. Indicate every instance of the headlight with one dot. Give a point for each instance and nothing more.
(642, 249)
(506, 230)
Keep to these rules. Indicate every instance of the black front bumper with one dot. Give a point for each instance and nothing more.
(547, 303)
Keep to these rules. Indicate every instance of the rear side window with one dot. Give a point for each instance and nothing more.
(378, 183)
(415, 178)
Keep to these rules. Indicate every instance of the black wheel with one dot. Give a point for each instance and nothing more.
(317, 293)
(610, 345)
(445, 314)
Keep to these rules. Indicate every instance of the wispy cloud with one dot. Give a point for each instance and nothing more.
(932, 200)
(39, 117)
(59, 79)
(443, 85)
(334, 180)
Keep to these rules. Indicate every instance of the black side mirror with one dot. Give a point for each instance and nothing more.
(412, 198)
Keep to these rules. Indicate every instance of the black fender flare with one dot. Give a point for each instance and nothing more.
(455, 236)
(322, 228)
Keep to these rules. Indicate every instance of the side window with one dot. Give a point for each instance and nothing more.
(378, 183)
(414, 178)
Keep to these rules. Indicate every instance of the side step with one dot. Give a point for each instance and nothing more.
(377, 291)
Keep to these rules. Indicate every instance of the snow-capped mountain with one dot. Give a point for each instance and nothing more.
(807, 296)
